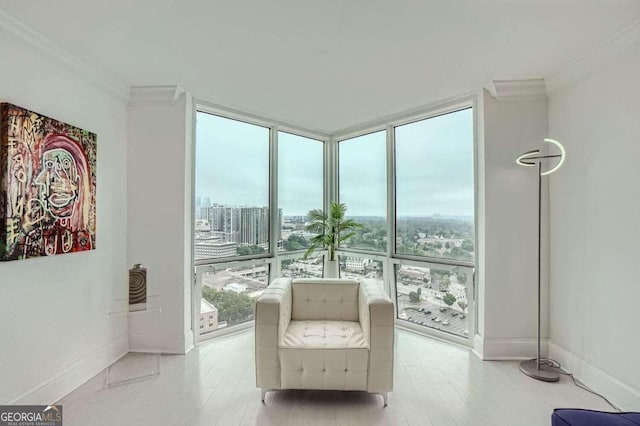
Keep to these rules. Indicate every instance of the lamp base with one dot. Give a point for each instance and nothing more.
(544, 373)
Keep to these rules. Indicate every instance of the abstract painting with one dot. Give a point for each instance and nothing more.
(47, 186)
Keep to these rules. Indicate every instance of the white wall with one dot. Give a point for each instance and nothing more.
(54, 329)
(509, 279)
(595, 237)
(159, 216)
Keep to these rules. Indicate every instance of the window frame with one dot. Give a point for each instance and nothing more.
(324, 184)
(337, 183)
(393, 258)
(197, 295)
(269, 252)
(272, 257)
(331, 192)
(423, 329)
(433, 114)
(273, 126)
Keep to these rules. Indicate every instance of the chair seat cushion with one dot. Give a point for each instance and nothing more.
(566, 416)
(324, 335)
(319, 354)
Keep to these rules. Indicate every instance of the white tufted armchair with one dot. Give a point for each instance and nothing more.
(324, 334)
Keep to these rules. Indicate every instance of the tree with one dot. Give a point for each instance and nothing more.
(295, 242)
(462, 304)
(444, 283)
(248, 250)
(461, 276)
(449, 299)
(458, 253)
(414, 297)
(332, 229)
(467, 245)
(286, 262)
(232, 307)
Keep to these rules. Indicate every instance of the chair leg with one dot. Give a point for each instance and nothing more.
(385, 398)
(264, 393)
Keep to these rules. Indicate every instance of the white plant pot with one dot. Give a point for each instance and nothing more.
(331, 269)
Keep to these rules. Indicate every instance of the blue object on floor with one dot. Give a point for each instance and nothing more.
(579, 417)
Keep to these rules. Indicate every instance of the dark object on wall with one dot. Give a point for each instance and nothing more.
(47, 186)
(137, 287)
(579, 417)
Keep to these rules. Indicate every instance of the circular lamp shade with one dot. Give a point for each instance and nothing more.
(531, 158)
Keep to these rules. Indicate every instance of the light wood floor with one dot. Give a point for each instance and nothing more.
(435, 384)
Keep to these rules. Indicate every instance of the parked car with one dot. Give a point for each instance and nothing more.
(443, 309)
(427, 312)
(434, 318)
(438, 319)
(454, 314)
(462, 316)
(445, 322)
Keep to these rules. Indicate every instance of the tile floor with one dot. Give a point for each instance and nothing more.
(436, 383)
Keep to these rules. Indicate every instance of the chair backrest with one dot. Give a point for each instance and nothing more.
(324, 299)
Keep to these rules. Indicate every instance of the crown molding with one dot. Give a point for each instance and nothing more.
(144, 95)
(413, 114)
(610, 51)
(515, 90)
(106, 83)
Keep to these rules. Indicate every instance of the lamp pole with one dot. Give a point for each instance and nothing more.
(534, 367)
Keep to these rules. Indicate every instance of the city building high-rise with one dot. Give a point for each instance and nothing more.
(221, 229)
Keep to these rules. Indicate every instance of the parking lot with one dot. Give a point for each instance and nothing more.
(457, 325)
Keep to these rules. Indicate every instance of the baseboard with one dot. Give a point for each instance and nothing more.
(160, 343)
(71, 377)
(189, 341)
(508, 349)
(478, 346)
(624, 396)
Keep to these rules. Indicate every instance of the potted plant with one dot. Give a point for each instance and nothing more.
(331, 230)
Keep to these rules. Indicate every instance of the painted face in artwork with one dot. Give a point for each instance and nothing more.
(59, 182)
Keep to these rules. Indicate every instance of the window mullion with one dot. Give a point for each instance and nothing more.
(391, 192)
(274, 221)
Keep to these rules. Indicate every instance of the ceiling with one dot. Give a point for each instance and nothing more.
(326, 65)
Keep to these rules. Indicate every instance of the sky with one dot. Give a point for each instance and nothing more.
(434, 167)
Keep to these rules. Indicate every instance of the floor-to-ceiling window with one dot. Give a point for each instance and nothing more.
(434, 223)
(300, 189)
(423, 246)
(232, 219)
(232, 188)
(362, 179)
(410, 183)
(254, 185)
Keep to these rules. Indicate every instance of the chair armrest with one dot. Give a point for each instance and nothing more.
(272, 317)
(377, 322)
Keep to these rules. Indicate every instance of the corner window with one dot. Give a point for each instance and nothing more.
(300, 187)
(363, 188)
(231, 188)
(434, 186)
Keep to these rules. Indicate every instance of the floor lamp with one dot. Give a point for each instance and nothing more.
(537, 368)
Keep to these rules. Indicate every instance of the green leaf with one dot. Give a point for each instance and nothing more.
(329, 227)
